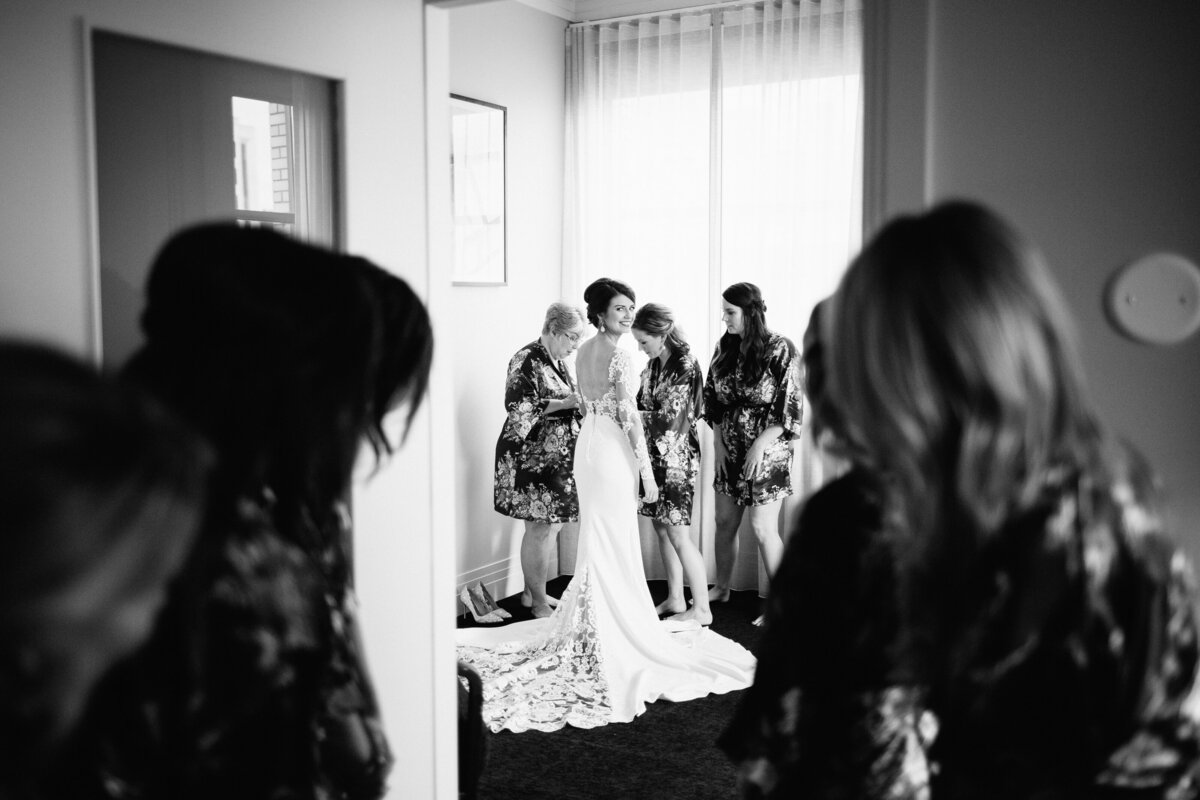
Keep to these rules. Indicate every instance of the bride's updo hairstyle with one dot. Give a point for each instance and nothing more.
(600, 293)
(656, 319)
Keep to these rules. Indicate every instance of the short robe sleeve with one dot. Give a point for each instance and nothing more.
(787, 408)
(523, 394)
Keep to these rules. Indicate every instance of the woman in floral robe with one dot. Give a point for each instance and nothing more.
(670, 399)
(536, 448)
(832, 712)
(752, 399)
(1044, 611)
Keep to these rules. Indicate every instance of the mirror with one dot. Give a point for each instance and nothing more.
(184, 136)
(477, 161)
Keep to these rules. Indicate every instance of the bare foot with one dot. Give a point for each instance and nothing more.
(527, 600)
(541, 611)
(672, 605)
(718, 594)
(704, 617)
(760, 620)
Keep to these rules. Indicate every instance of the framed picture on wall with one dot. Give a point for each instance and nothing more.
(477, 162)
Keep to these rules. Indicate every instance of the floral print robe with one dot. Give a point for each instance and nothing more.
(744, 410)
(535, 452)
(249, 683)
(830, 715)
(1073, 673)
(671, 398)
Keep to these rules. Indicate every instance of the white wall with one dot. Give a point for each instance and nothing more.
(512, 55)
(1078, 121)
(47, 231)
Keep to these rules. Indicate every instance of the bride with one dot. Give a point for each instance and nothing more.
(603, 654)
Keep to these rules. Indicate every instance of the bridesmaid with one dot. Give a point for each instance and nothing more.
(670, 399)
(753, 402)
(535, 451)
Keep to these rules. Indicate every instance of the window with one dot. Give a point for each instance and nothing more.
(262, 163)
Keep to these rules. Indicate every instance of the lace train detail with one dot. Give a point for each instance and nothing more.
(546, 683)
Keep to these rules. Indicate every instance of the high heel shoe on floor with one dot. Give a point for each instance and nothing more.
(479, 611)
(484, 598)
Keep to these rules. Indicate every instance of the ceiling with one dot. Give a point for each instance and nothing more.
(585, 10)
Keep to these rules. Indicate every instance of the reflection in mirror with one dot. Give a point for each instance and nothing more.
(262, 163)
(184, 136)
(477, 131)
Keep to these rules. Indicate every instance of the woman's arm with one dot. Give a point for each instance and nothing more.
(525, 396)
(620, 373)
(758, 447)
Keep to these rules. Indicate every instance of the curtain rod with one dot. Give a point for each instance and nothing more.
(666, 13)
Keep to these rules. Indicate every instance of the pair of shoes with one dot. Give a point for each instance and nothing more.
(481, 605)
(483, 597)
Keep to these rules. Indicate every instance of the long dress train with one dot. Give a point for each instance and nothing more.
(603, 654)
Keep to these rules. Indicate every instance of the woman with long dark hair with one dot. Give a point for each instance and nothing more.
(1050, 620)
(287, 358)
(832, 712)
(752, 400)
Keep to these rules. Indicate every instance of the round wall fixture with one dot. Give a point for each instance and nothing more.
(1156, 299)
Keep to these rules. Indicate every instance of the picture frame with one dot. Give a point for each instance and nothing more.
(478, 141)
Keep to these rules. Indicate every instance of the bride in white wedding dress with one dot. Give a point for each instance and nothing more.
(603, 654)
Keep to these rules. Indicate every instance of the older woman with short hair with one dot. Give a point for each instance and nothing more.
(535, 451)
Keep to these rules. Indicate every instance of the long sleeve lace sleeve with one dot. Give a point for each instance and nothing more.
(620, 372)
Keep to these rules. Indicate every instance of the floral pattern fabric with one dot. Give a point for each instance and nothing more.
(1078, 679)
(247, 685)
(535, 451)
(670, 399)
(743, 410)
(830, 714)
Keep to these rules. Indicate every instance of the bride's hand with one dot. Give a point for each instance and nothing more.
(649, 492)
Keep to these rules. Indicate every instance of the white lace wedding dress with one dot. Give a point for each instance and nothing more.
(603, 654)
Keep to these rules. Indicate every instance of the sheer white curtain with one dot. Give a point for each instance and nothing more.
(709, 147)
(314, 193)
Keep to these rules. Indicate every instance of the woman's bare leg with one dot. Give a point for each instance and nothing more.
(729, 517)
(688, 555)
(764, 521)
(675, 601)
(535, 561)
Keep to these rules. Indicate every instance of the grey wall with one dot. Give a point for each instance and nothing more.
(1080, 122)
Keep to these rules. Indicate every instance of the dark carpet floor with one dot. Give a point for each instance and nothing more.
(668, 752)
